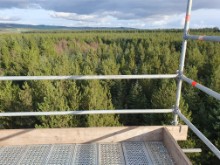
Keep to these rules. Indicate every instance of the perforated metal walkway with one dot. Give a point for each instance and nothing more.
(129, 153)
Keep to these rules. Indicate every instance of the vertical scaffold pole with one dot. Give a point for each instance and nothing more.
(182, 61)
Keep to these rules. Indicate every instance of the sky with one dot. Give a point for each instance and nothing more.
(141, 14)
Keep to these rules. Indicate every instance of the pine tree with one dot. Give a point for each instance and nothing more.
(164, 98)
(96, 97)
(57, 97)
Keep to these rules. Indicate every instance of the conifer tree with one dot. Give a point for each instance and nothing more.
(97, 97)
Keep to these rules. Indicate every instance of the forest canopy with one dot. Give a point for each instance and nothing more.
(109, 53)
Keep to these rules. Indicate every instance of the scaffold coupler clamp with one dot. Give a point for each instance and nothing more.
(179, 74)
(175, 110)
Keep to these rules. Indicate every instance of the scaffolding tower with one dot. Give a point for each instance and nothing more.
(179, 76)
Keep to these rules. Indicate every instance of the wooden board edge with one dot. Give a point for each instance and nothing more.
(179, 132)
(86, 135)
(174, 149)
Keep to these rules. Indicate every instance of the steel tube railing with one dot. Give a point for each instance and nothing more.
(87, 77)
(182, 59)
(200, 135)
(191, 150)
(88, 112)
(203, 38)
(201, 87)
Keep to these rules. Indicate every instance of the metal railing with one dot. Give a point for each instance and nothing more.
(176, 111)
(88, 77)
(201, 87)
(202, 38)
(182, 78)
(88, 112)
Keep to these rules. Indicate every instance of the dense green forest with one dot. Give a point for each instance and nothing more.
(110, 53)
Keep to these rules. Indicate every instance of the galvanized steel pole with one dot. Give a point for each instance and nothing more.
(88, 77)
(191, 150)
(182, 61)
(203, 38)
(200, 135)
(88, 112)
(201, 87)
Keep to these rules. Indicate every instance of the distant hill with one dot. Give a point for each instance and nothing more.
(17, 28)
(49, 27)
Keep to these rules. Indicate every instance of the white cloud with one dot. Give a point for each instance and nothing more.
(102, 18)
(205, 18)
(34, 6)
(75, 17)
(200, 19)
(9, 18)
(110, 19)
(35, 14)
(25, 16)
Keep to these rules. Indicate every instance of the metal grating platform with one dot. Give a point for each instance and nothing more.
(85, 154)
(125, 153)
(61, 154)
(136, 153)
(111, 154)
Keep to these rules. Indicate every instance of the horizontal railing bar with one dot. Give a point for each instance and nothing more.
(192, 150)
(88, 112)
(203, 38)
(200, 135)
(201, 87)
(88, 77)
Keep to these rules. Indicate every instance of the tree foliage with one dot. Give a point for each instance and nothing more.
(112, 53)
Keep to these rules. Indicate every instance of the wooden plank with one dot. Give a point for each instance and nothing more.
(178, 132)
(174, 149)
(87, 135)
